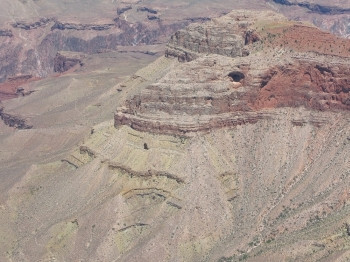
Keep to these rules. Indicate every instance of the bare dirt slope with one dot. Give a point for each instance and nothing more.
(60, 111)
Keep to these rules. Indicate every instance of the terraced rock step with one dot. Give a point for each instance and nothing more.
(233, 68)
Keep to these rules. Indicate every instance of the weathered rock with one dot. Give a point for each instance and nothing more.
(66, 60)
(14, 121)
(80, 27)
(214, 38)
(6, 32)
(122, 10)
(148, 10)
(223, 86)
(29, 26)
(311, 84)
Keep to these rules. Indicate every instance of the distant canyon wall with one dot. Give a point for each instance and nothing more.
(46, 37)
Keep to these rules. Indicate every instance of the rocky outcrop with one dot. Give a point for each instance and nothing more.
(122, 10)
(80, 27)
(268, 181)
(235, 70)
(198, 19)
(152, 17)
(14, 121)
(6, 32)
(176, 126)
(29, 26)
(214, 38)
(309, 84)
(66, 60)
(148, 10)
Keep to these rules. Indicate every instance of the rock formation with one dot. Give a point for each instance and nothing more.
(80, 27)
(34, 25)
(222, 150)
(13, 121)
(238, 66)
(66, 60)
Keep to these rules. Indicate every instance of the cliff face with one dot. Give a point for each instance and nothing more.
(242, 64)
(212, 39)
(37, 58)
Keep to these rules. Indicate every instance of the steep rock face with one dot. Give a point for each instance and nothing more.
(214, 38)
(221, 87)
(47, 37)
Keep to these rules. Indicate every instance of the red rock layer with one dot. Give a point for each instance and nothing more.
(12, 88)
(312, 85)
(222, 85)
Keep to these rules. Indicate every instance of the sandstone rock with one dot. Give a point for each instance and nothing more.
(214, 38)
(220, 85)
(66, 60)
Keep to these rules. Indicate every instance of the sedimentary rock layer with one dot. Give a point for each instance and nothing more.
(235, 68)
